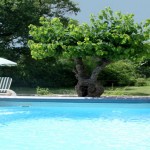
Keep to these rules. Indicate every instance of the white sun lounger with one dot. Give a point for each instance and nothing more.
(5, 83)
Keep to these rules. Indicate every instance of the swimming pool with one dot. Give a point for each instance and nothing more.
(66, 124)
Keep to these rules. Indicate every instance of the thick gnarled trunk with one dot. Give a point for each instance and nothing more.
(88, 86)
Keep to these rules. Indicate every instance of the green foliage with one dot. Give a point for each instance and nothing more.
(141, 82)
(144, 68)
(54, 91)
(15, 17)
(120, 73)
(43, 73)
(111, 36)
(42, 91)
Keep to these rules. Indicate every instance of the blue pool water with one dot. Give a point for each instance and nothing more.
(63, 126)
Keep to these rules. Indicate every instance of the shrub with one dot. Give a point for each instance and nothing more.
(120, 73)
(42, 91)
(141, 82)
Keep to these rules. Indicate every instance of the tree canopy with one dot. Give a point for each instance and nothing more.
(109, 37)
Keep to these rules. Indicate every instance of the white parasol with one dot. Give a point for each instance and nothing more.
(6, 62)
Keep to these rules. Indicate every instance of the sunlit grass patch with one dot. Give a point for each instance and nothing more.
(129, 91)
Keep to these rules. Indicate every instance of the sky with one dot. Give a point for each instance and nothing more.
(141, 8)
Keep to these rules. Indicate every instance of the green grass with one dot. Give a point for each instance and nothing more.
(24, 90)
(52, 91)
(128, 91)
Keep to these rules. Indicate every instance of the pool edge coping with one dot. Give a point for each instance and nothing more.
(103, 99)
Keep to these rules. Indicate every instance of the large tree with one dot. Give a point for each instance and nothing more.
(111, 36)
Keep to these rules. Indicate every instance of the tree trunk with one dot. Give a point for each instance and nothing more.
(88, 86)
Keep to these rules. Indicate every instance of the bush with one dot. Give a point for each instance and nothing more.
(42, 91)
(120, 73)
(141, 82)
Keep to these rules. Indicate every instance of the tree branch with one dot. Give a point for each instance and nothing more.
(80, 69)
(103, 63)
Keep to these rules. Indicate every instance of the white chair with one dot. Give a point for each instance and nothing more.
(5, 83)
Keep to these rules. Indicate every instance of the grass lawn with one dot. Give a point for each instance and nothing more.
(129, 91)
(24, 91)
(118, 91)
(43, 91)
